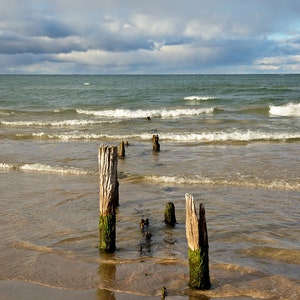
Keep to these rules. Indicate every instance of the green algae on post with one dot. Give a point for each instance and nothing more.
(170, 218)
(108, 197)
(196, 233)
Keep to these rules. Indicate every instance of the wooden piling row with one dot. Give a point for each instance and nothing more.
(196, 229)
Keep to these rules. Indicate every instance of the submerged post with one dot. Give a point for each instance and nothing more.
(155, 143)
(108, 197)
(121, 150)
(196, 233)
(169, 213)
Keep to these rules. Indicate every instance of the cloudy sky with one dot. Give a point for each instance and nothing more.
(149, 37)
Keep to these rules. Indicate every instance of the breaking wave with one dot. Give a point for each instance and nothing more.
(199, 180)
(54, 123)
(38, 167)
(287, 110)
(198, 98)
(204, 137)
(140, 113)
(234, 136)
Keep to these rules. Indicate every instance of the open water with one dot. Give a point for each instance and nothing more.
(232, 141)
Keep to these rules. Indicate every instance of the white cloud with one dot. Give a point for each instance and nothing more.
(64, 36)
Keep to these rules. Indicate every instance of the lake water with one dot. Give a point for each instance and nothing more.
(232, 141)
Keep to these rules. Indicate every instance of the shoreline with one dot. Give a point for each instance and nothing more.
(18, 289)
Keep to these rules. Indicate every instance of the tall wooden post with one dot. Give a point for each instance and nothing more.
(108, 196)
(196, 233)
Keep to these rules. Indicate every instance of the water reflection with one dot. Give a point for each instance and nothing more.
(107, 275)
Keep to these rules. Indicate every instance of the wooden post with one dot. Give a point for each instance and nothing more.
(145, 229)
(121, 150)
(155, 143)
(169, 213)
(108, 198)
(196, 232)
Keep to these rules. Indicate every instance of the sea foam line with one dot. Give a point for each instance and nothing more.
(140, 113)
(287, 110)
(38, 167)
(55, 123)
(234, 136)
(196, 180)
(198, 98)
(204, 137)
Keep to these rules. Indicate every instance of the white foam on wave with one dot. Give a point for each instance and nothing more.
(222, 136)
(198, 98)
(54, 123)
(38, 167)
(204, 137)
(199, 180)
(140, 113)
(287, 110)
(7, 166)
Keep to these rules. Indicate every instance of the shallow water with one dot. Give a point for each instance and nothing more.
(240, 160)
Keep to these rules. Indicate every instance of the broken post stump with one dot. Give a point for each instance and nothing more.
(121, 150)
(108, 197)
(170, 218)
(196, 233)
(146, 232)
(155, 143)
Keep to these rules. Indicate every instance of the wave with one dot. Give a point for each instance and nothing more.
(199, 98)
(33, 247)
(140, 113)
(234, 136)
(54, 123)
(199, 180)
(204, 137)
(38, 167)
(287, 110)
(5, 112)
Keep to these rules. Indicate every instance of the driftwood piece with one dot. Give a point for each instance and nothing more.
(196, 233)
(155, 143)
(170, 217)
(108, 197)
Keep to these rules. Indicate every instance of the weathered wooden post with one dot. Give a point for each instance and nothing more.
(196, 232)
(108, 197)
(121, 150)
(155, 143)
(169, 213)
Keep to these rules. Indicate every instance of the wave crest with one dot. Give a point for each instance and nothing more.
(140, 113)
(54, 123)
(198, 98)
(38, 167)
(204, 137)
(287, 110)
(199, 180)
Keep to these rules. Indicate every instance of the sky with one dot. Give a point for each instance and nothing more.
(149, 37)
